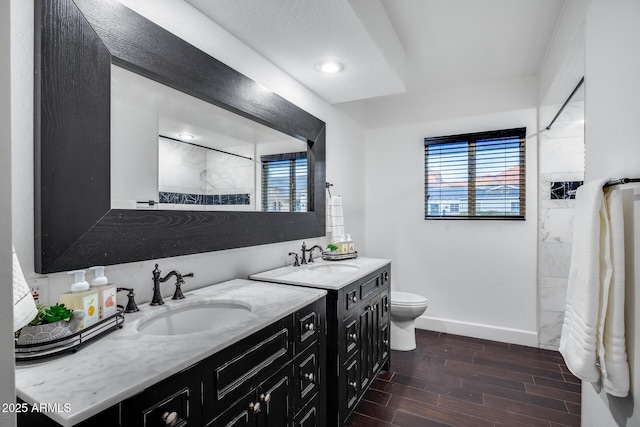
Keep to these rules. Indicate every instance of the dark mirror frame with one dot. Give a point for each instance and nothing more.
(76, 42)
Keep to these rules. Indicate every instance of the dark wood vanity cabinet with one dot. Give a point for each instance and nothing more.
(273, 378)
(358, 340)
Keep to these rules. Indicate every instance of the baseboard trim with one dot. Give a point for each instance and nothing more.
(478, 330)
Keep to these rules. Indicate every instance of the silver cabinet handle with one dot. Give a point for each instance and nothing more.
(353, 384)
(354, 298)
(353, 336)
(309, 326)
(386, 342)
(255, 407)
(170, 418)
(265, 397)
(309, 376)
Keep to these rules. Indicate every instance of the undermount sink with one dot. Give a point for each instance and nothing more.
(335, 268)
(195, 318)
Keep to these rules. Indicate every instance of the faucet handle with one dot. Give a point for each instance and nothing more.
(178, 293)
(131, 304)
(296, 263)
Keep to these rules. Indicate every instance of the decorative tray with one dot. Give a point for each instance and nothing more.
(70, 342)
(328, 256)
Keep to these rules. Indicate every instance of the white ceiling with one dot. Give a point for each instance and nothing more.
(393, 46)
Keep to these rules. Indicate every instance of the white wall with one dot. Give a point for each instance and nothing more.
(494, 295)
(345, 165)
(7, 391)
(613, 149)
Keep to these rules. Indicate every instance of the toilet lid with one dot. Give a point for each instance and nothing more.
(406, 298)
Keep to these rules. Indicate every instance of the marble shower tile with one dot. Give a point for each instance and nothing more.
(556, 225)
(555, 259)
(550, 328)
(553, 293)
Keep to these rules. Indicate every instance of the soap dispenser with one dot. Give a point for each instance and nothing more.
(82, 298)
(351, 246)
(106, 292)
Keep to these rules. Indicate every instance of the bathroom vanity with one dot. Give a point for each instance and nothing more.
(358, 331)
(261, 363)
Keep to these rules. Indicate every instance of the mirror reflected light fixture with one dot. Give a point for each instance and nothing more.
(186, 136)
(76, 43)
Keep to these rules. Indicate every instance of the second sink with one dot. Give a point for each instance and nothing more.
(195, 318)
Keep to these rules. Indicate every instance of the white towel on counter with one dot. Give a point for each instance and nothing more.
(592, 339)
(335, 218)
(24, 307)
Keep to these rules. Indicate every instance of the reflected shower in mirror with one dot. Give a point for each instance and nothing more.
(186, 154)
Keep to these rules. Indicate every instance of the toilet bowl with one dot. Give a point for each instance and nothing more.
(405, 308)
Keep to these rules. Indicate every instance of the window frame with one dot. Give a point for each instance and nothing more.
(471, 139)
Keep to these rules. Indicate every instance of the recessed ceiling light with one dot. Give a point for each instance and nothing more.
(185, 136)
(330, 67)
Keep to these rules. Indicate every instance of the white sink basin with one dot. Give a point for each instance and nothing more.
(195, 318)
(335, 268)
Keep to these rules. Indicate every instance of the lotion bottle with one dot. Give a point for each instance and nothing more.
(351, 246)
(106, 292)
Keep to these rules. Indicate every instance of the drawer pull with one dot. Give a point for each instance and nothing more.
(265, 397)
(309, 376)
(354, 299)
(309, 326)
(386, 342)
(255, 407)
(353, 336)
(353, 384)
(170, 418)
(370, 308)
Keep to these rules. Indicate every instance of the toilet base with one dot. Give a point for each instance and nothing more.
(403, 335)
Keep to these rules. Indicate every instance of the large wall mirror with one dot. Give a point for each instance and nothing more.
(125, 174)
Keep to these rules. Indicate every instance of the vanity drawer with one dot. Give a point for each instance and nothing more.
(351, 337)
(350, 383)
(179, 393)
(234, 372)
(307, 325)
(350, 298)
(370, 285)
(306, 377)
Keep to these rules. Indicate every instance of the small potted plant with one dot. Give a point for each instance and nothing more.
(51, 322)
(332, 248)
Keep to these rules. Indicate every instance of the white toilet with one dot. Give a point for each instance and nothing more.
(405, 308)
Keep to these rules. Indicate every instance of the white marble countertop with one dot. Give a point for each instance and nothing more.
(125, 362)
(332, 275)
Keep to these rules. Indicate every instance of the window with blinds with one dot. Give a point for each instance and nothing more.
(475, 176)
(284, 182)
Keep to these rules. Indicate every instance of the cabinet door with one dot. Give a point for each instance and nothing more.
(240, 414)
(274, 398)
(369, 341)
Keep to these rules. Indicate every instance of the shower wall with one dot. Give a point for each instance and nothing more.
(560, 171)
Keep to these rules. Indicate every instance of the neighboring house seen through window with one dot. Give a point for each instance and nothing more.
(284, 182)
(475, 176)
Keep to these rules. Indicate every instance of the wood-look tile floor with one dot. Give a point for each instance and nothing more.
(452, 380)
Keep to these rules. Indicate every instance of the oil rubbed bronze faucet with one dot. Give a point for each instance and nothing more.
(311, 251)
(157, 298)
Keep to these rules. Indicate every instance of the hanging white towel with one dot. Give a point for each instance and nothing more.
(335, 218)
(613, 359)
(24, 307)
(592, 339)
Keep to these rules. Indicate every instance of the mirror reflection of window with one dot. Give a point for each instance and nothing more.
(284, 182)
